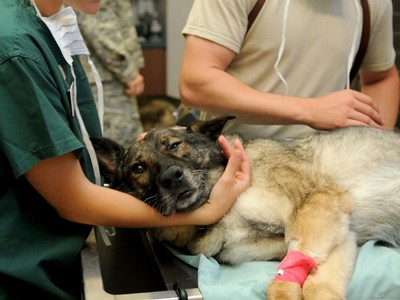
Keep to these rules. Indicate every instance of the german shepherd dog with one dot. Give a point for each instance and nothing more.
(320, 196)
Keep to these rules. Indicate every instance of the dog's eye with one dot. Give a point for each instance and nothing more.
(138, 168)
(174, 146)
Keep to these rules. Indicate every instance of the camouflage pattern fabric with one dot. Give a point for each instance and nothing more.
(122, 121)
(112, 41)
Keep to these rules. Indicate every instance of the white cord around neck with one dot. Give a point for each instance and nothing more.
(282, 46)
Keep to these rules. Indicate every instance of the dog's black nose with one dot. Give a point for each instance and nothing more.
(171, 177)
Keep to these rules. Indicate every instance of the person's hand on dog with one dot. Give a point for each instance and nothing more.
(234, 181)
(346, 108)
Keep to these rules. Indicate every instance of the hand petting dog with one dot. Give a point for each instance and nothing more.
(236, 179)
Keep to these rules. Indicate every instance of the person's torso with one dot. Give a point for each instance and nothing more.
(303, 48)
(37, 123)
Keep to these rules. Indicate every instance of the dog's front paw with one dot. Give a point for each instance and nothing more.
(279, 290)
(321, 290)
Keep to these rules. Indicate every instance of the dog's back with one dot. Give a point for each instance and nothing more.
(363, 161)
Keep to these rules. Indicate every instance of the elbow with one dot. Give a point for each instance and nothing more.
(68, 214)
(191, 91)
(187, 93)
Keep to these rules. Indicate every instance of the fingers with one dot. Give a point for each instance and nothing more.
(244, 159)
(141, 136)
(238, 163)
(362, 119)
(234, 163)
(366, 110)
(135, 86)
(234, 181)
(345, 108)
(139, 88)
(134, 90)
(225, 146)
(139, 84)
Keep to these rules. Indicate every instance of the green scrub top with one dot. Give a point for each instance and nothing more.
(39, 251)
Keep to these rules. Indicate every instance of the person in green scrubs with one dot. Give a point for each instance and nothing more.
(49, 200)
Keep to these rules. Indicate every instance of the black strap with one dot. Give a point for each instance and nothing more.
(254, 13)
(362, 49)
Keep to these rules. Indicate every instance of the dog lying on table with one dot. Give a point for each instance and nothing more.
(311, 201)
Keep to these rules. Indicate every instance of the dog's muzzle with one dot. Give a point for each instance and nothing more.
(176, 188)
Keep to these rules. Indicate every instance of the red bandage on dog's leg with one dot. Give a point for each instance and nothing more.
(295, 267)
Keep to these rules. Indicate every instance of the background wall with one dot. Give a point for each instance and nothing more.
(396, 25)
(163, 55)
(177, 11)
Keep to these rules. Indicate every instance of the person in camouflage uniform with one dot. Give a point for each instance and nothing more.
(112, 40)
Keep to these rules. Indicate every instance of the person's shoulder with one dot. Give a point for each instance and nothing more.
(22, 32)
(381, 11)
(383, 3)
(380, 6)
(16, 17)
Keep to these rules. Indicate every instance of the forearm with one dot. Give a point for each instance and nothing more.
(385, 93)
(108, 207)
(61, 182)
(217, 92)
(78, 200)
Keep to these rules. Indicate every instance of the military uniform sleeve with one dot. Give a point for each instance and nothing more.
(121, 55)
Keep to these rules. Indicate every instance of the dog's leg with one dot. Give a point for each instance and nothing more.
(333, 275)
(316, 229)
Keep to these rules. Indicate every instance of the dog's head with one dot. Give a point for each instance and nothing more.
(170, 169)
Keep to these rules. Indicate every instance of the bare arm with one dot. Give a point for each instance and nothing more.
(61, 182)
(212, 89)
(383, 87)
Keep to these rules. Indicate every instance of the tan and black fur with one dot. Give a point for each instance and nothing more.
(322, 195)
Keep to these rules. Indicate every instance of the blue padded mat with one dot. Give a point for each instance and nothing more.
(376, 276)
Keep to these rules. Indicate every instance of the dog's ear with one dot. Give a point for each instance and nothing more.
(108, 154)
(211, 128)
